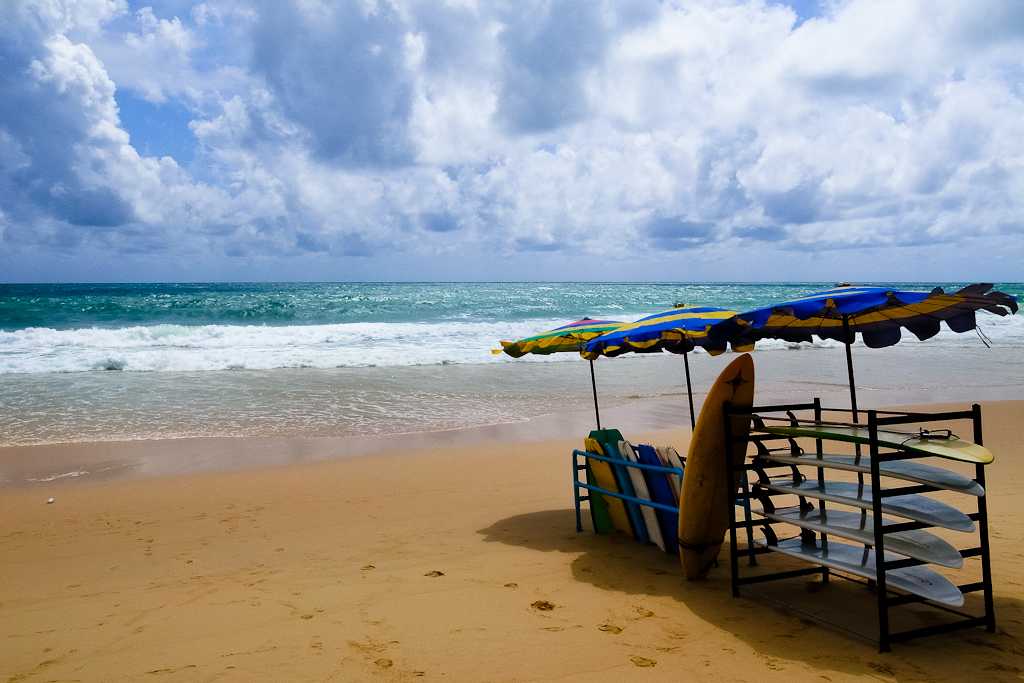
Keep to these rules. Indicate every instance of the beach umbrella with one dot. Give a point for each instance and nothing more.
(878, 314)
(569, 337)
(678, 330)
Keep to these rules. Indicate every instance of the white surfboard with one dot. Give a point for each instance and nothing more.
(858, 561)
(908, 470)
(918, 544)
(912, 506)
(640, 488)
(670, 457)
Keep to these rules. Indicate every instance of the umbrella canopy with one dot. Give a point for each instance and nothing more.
(569, 337)
(877, 313)
(677, 330)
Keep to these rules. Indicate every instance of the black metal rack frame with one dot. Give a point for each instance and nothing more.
(876, 419)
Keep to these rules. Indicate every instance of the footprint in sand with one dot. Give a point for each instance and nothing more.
(384, 663)
(883, 669)
(367, 567)
(542, 605)
(643, 662)
(434, 573)
(511, 585)
(643, 612)
(610, 628)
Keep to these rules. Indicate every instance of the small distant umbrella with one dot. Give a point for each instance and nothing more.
(877, 313)
(570, 337)
(678, 330)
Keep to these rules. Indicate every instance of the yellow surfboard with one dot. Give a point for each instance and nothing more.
(703, 515)
(606, 480)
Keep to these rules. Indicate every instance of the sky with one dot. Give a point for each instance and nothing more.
(635, 140)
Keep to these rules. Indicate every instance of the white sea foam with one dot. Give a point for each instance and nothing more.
(233, 347)
(74, 474)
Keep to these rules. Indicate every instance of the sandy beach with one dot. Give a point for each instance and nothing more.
(426, 561)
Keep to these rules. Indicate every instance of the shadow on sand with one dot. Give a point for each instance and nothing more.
(616, 563)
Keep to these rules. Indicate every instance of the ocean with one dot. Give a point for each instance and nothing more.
(93, 362)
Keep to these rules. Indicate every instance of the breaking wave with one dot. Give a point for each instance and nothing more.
(191, 348)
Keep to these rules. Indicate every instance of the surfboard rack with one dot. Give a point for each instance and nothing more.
(583, 490)
(578, 485)
(887, 573)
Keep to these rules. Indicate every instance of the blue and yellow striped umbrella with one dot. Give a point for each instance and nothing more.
(677, 330)
(878, 314)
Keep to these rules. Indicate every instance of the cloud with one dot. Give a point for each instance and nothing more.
(407, 132)
(439, 222)
(761, 233)
(339, 70)
(548, 48)
(59, 130)
(676, 233)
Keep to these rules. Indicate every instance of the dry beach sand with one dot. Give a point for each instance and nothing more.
(456, 563)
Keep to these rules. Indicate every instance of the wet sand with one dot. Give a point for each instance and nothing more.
(451, 560)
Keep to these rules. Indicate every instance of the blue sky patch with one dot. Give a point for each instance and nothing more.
(157, 129)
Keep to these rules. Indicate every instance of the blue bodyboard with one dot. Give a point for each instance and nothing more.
(636, 517)
(660, 488)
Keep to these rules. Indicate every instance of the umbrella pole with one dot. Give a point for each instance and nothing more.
(849, 367)
(848, 342)
(593, 385)
(689, 389)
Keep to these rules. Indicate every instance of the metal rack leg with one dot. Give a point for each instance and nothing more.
(819, 452)
(748, 518)
(576, 491)
(986, 562)
(876, 510)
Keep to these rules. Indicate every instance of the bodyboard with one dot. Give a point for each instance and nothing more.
(660, 487)
(625, 480)
(606, 479)
(642, 491)
(670, 458)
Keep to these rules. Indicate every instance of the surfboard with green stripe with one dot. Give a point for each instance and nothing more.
(949, 448)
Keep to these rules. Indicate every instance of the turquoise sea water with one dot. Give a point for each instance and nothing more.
(200, 327)
(69, 306)
(140, 361)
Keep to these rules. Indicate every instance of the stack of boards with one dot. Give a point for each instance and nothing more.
(644, 523)
(854, 524)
